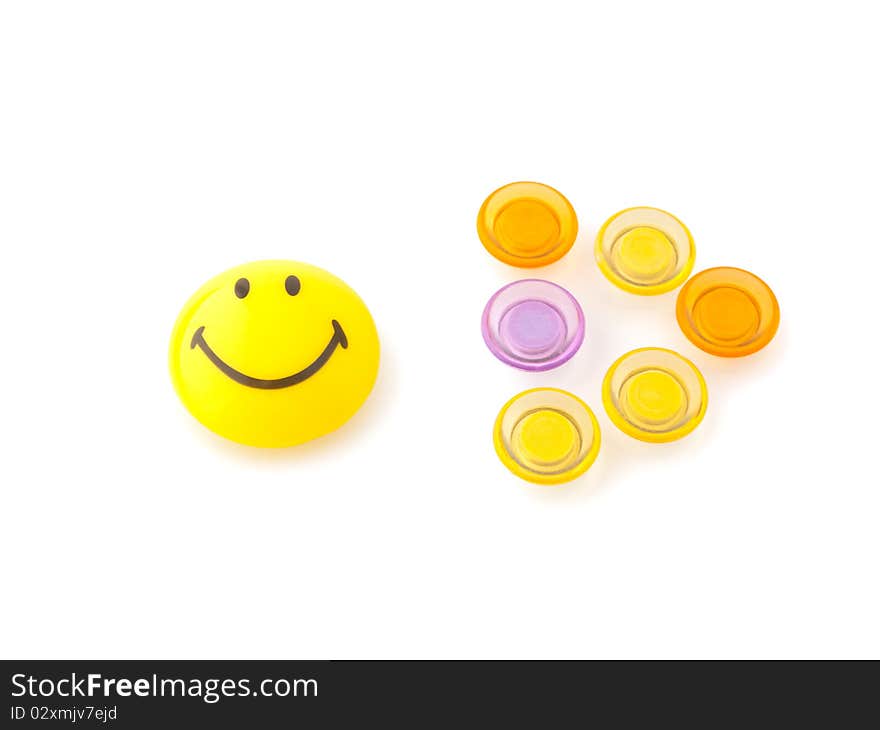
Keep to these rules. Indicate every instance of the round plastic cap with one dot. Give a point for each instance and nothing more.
(533, 324)
(645, 250)
(654, 395)
(547, 436)
(527, 224)
(727, 312)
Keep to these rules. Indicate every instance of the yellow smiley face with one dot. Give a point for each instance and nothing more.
(274, 353)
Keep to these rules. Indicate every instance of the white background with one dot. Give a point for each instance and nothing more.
(145, 147)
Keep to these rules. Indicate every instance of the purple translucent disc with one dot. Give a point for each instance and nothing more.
(533, 324)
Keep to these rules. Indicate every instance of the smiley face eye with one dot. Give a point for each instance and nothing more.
(291, 283)
(242, 287)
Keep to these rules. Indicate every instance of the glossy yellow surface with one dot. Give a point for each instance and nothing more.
(645, 250)
(653, 394)
(527, 224)
(652, 397)
(274, 353)
(546, 436)
(727, 312)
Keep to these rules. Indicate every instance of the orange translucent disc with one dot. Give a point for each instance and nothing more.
(727, 312)
(527, 224)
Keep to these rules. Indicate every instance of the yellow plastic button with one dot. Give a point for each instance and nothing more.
(654, 395)
(727, 312)
(547, 436)
(645, 250)
(527, 224)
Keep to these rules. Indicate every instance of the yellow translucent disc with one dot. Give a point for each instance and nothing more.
(645, 250)
(654, 394)
(546, 436)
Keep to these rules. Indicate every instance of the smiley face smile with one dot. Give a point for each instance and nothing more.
(337, 338)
